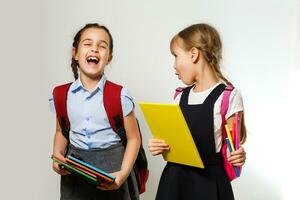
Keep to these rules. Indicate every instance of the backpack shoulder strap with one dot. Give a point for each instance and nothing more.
(60, 102)
(224, 105)
(178, 91)
(112, 104)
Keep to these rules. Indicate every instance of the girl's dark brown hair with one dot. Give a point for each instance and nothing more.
(74, 64)
(207, 40)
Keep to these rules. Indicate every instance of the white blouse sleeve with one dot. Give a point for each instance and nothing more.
(127, 102)
(235, 103)
(51, 104)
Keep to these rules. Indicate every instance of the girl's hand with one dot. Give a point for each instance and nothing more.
(237, 157)
(57, 168)
(120, 179)
(157, 147)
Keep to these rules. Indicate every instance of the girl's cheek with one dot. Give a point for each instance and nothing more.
(104, 54)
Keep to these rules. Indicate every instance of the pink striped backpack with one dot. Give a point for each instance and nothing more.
(224, 107)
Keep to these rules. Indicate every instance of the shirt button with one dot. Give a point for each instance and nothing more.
(87, 119)
(88, 136)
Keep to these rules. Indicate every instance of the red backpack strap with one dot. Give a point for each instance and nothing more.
(178, 91)
(224, 107)
(60, 102)
(113, 108)
(112, 104)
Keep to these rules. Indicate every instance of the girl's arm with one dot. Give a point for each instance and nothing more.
(238, 156)
(133, 143)
(59, 147)
(131, 152)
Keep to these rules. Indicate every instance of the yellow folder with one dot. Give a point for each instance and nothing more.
(167, 122)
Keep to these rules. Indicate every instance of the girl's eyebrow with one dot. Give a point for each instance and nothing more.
(101, 41)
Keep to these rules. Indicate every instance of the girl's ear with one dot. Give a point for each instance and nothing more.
(74, 54)
(109, 59)
(195, 54)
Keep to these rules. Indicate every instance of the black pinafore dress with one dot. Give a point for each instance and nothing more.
(181, 182)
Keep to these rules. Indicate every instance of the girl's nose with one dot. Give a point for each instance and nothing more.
(95, 50)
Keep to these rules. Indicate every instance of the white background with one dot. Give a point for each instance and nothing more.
(261, 57)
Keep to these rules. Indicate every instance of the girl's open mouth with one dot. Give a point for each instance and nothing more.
(92, 59)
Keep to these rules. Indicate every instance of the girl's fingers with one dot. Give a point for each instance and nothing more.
(64, 172)
(237, 159)
(103, 185)
(154, 145)
(153, 140)
(238, 163)
(107, 186)
(158, 147)
(155, 153)
(60, 171)
(240, 151)
(56, 168)
(238, 156)
(234, 157)
(155, 149)
(101, 188)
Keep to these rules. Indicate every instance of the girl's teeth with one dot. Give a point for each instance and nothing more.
(93, 58)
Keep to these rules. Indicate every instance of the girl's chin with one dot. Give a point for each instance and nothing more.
(92, 66)
(187, 82)
(91, 74)
(91, 69)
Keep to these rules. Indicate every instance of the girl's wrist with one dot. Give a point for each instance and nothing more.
(124, 173)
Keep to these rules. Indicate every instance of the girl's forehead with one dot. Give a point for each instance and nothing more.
(96, 34)
(176, 43)
(173, 44)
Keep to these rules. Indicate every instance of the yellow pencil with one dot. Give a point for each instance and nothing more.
(229, 137)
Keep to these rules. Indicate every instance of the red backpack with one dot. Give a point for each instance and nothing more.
(113, 108)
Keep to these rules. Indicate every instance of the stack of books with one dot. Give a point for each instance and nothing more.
(84, 169)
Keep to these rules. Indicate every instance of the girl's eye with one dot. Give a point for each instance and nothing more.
(87, 44)
(102, 46)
